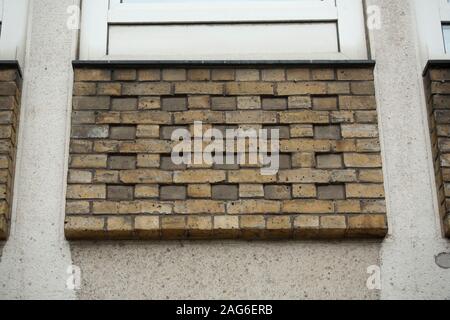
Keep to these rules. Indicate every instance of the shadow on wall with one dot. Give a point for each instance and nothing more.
(226, 270)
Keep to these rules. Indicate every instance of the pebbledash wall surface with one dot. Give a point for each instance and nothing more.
(357, 164)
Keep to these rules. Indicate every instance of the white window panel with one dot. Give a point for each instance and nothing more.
(433, 18)
(13, 17)
(222, 29)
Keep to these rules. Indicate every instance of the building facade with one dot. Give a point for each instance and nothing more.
(95, 206)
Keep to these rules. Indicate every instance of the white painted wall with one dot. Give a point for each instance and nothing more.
(35, 258)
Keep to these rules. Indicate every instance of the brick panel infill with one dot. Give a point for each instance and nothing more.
(10, 94)
(437, 85)
(123, 184)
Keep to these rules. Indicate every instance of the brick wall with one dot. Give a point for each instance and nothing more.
(123, 184)
(10, 88)
(437, 84)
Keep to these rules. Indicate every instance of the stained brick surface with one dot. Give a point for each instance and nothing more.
(123, 185)
(10, 93)
(437, 83)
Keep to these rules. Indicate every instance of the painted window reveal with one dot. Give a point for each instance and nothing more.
(223, 30)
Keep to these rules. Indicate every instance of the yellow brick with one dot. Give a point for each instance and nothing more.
(251, 191)
(84, 227)
(249, 176)
(199, 227)
(173, 227)
(106, 176)
(147, 227)
(305, 145)
(304, 191)
(307, 206)
(299, 88)
(304, 176)
(199, 190)
(199, 207)
(146, 117)
(251, 117)
(88, 161)
(86, 191)
(375, 176)
(354, 190)
(145, 176)
(190, 117)
(148, 160)
(333, 226)
(119, 226)
(199, 88)
(348, 206)
(77, 207)
(253, 206)
(304, 117)
(361, 160)
(147, 131)
(142, 191)
(368, 225)
(105, 207)
(249, 88)
(253, 222)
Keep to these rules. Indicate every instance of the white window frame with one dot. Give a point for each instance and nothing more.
(13, 16)
(98, 15)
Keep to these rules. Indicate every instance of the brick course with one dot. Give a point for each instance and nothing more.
(123, 185)
(10, 94)
(437, 80)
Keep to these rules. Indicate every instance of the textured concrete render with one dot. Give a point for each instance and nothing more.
(408, 265)
(36, 256)
(225, 270)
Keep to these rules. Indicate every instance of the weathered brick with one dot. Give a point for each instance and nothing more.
(172, 193)
(92, 75)
(84, 89)
(199, 88)
(249, 103)
(149, 75)
(348, 206)
(222, 74)
(224, 192)
(301, 88)
(147, 227)
(124, 74)
(273, 75)
(199, 227)
(307, 206)
(145, 191)
(322, 74)
(247, 75)
(253, 206)
(331, 192)
(123, 133)
(304, 176)
(199, 176)
(360, 131)
(82, 117)
(248, 88)
(360, 160)
(77, 207)
(199, 207)
(363, 88)
(120, 193)
(146, 117)
(251, 117)
(333, 226)
(199, 190)
(106, 176)
(304, 117)
(304, 191)
(75, 191)
(355, 74)
(329, 161)
(277, 192)
(145, 176)
(226, 226)
(146, 89)
(173, 227)
(124, 104)
(327, 132)
(109, 89)
(299, 102)
(119, 226)
(303, 160)
(251, 191)
(174, 74)
(367, 225)
(223, 103)
(149, 103)
(147, 131)
(325, 103)
(274, 104)
(190, 117)
(375, 176)
(148, 160)
(80, 176)
(354, 190)
(199, 74)
(357, 103)
(249, 176)
(198, 102)
(305, 145)
(298, 74)
(88, 161)
(306, 226)
(91, 103)
(122, 162)
(105, 207)
(174, 104)
(84, 227)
